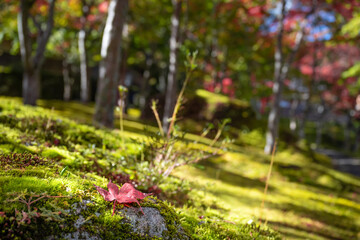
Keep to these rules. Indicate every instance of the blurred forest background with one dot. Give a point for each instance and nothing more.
(294, 62)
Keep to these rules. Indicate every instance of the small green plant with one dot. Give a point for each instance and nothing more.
(190, 65)
(221, 127)
(121, 106)
(161, 153)
(26, 217)
(63, 170)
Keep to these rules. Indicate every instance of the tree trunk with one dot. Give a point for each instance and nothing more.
(281, 72)
(124, 56)
(214, 46)
(357, 140)
(273, 121)
(145, 82)
(110, 64)
(84, 72)
(348, 128)
(31, 86)
(293, 108)
(67, 80)
(30, 83)
(170, 97)
(85, 86)
(319, 127)
(308, 96)
(32, 64)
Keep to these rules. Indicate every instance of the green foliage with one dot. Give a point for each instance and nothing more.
(353, 71)
(253, 138)
(351, 28)
(8, 28)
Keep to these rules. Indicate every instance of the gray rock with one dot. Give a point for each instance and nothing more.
(76, 209)
(152, 223)
(80, 235)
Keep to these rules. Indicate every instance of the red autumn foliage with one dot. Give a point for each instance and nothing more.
(127, 194)
(103, 7)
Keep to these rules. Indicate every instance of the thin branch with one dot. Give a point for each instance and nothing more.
(156, 114)
(267, 181)
(279, 43)
(29, 202)
(298, 40)
(42, 41)
(168, 171)
(37, 24)
(178, 105)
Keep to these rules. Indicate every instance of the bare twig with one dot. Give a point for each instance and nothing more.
(168, 171)
(178, 105)
(267, 181)
(29, 202)
(156, 114)
(36, 23)
(43, 39)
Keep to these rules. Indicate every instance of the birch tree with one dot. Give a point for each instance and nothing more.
(171, 88)
(282, 67)
(84, 68)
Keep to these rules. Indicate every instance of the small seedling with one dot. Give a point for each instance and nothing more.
(190, 65)
(121, 106)
(63, 170)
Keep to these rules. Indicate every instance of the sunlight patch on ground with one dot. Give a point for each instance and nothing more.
(298, 211)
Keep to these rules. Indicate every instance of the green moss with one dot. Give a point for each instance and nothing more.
(306, 199)
(22, 160)
(214, 227)
(40, 173)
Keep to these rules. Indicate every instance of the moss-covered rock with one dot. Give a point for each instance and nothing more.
(39, 199)
(53, 206)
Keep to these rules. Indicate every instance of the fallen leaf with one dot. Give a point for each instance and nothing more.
(125, 195)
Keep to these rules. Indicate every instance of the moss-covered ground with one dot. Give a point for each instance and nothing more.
(218, 198)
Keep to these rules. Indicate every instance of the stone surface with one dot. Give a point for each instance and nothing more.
(152, 223)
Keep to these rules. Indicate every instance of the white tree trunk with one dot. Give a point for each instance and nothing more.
(273, 121)
(171, 88)
(84, 73)
(281, 72)
(67, 80)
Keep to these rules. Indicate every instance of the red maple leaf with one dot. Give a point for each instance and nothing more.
(127, 194)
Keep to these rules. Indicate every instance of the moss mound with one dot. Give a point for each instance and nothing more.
(40, 203)
(49, 165)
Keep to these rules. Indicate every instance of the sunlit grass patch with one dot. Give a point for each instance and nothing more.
(298, 209)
